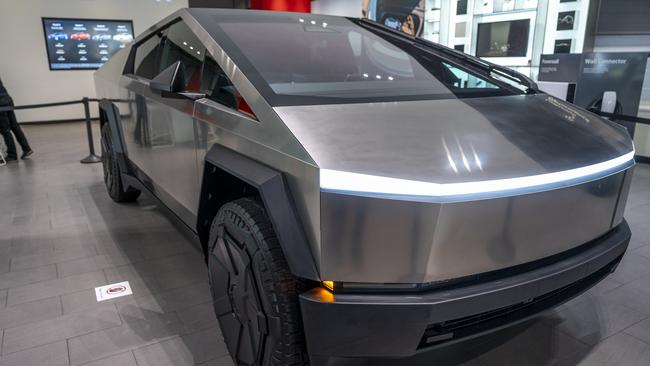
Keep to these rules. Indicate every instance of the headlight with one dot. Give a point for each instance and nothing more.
(364, 184)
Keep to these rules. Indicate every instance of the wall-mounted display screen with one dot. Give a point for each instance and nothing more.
(565, 20)
(503, 39)
(562, 46)
(84, 44)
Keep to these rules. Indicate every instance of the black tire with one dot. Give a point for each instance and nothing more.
(112, 176)
(255, 295)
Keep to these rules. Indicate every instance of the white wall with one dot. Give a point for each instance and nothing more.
(346, 8)
(23, 58)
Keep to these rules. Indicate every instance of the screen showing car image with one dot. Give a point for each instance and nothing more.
(82, 44)
(503, 39)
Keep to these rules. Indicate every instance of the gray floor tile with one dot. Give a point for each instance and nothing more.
(594, 320)
(3, 298)
(41, 259)
(80, 300)
(153, 251)
(186, 350)
(541, 343)
(640, 330)
(53, 354)
(143, 298)
(198, 317)
(146, 278)
(48, 331)
(641, 231)
(27, 248)
(20, 278)
(134, 333)
(60, 286)
(642, 250)
(123, 359)
(5, 264)
(635, 295)
(91, 264)
(631, 268)
(30, 312)
(166, 301)
(619, 350)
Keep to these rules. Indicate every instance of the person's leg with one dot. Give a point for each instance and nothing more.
(18, 132)
(5, 131)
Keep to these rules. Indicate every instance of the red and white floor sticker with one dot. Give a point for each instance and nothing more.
(112, 291)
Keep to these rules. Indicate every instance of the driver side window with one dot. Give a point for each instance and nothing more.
(181, 44)
(216, 86)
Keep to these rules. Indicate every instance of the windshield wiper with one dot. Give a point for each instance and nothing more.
(426, 45)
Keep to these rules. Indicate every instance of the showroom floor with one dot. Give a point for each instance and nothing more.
(61, 236)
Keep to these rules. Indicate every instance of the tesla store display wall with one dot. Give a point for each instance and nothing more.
(25, 69)
(79, 44)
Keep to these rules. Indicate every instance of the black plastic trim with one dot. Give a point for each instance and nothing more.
(392, 325)
(278, 202)
(112, 113)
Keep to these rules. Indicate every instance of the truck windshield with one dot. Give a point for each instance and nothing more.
(311, 59)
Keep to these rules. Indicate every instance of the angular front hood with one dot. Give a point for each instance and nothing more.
(456, 141)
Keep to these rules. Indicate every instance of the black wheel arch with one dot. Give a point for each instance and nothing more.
(110, 113)
(229, 175)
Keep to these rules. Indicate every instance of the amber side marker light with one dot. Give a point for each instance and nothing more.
(329, 285)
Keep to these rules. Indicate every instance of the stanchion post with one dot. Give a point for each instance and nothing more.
(91, 158)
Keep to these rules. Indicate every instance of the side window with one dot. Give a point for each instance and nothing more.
(181, 44)
(146, 57)
(465, 80)
(217, 86)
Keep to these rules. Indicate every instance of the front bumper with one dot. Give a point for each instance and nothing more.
(399, 325)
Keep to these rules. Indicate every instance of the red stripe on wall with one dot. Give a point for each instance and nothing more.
(302, 6)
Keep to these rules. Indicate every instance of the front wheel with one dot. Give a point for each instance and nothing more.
(255, 295)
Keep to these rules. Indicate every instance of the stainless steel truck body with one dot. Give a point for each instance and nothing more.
(403, 194)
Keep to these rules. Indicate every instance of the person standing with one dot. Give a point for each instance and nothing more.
(9, 124)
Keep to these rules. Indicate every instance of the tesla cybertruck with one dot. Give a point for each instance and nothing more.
(358, 192)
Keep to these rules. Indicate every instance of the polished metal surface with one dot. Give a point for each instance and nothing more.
(364, 239)
(369, 239)
(454, 140)
(175, 165)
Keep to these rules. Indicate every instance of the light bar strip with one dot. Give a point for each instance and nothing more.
(362, 183)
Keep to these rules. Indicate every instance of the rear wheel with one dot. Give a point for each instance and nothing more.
(255, 295)
(112, 174)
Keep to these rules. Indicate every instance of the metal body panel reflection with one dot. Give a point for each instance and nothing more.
(359, 145)
(368, 239)
(446, 139)
(160, 138)
(452, 141)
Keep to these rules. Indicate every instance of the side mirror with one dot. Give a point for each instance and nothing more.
(170, 80)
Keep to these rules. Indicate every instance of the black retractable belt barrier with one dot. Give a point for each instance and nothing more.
(92, 157)
(622, 117)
